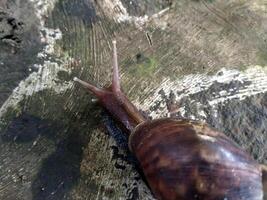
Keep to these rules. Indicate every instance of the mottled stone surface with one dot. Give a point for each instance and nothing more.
(52, 141)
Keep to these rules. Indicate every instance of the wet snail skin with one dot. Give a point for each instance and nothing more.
(183, 159)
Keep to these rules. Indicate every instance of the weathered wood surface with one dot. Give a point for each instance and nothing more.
(203, 59)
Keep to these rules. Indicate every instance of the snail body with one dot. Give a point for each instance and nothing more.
(183, 159)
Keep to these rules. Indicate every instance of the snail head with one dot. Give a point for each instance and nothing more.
(113, 99)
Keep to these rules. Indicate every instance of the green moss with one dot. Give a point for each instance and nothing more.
(143, 66)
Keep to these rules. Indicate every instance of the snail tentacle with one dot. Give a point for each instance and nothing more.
(116, 77)
(95, 90)
(114, 100)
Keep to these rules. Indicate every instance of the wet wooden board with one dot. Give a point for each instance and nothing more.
(201, 59)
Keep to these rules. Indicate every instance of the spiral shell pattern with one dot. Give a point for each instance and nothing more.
(186, 160)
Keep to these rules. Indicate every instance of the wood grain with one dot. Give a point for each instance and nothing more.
(171, 55)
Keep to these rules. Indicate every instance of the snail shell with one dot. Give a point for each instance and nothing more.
(188, 160)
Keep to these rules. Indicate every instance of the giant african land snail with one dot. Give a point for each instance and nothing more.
(183, 159)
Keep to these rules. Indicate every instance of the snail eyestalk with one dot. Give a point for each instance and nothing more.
(113, 99)
(116, 77)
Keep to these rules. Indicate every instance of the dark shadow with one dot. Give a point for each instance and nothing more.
(27, 128)
(60, 171)
(82, 10)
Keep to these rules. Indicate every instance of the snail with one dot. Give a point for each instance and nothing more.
(183, 159)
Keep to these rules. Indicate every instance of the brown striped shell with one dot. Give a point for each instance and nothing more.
(185, 160)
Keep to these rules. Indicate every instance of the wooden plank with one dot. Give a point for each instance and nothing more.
(202, 59)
